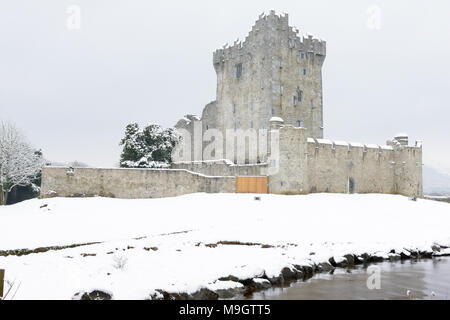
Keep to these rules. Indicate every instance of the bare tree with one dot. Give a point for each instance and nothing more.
(20, 164)
(11, 290)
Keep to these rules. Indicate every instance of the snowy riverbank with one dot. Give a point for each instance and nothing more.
(183, 244)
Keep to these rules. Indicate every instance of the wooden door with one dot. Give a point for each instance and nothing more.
(252, 184)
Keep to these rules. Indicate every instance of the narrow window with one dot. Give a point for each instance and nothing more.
(299, 95)
(238, 70)
(300, 123)
(235, 126)
(312, 103)
(304, 71)
(294, 101)
(251, 124)
(302, 56)
(281, 89)
(351, 186)
(234, 107)
(273, 111)
(251, 106)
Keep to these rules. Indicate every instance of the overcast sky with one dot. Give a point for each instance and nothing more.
(73, 91)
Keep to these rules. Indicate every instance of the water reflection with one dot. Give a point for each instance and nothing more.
(423, 279)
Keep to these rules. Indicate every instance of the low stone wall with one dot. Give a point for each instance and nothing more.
(129, 183)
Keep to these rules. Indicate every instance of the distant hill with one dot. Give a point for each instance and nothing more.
(435, 182)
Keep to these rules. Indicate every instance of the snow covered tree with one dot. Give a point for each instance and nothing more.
(20, 164)
(150, 147)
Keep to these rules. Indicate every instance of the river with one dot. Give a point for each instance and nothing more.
(420, 279)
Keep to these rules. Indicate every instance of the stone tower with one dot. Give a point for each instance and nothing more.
(273, 73)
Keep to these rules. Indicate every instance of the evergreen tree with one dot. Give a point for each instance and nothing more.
(150, 147)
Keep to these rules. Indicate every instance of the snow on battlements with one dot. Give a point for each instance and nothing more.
(349, 145)
(366, 146)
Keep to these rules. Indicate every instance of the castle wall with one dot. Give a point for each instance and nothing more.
(210, 117)
(302, 165)
(222, 168)
(129, 183)
(288, 170)
(308, 165)
(191, 147)
(331, 165)
(298, 66)
(408, 170)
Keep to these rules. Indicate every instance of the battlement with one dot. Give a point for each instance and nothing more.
(348, 146)
(268, 25)
(326, 144)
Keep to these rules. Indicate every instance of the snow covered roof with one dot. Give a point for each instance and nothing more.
(277, 119)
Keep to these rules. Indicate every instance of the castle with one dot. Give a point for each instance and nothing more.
(263, 133)
(273, 81)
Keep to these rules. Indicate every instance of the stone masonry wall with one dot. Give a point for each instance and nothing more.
(307, 165)
(276, 64)
(290, 174)
(371, 168)
(129, 183)
(408, 170)
(222, 168)
(331, 165)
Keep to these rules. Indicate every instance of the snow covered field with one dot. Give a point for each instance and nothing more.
(185, 243)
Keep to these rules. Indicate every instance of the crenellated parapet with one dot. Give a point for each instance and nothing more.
(270, 26)
(392, 168)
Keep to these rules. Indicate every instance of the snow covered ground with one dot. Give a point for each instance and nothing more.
(174, 244)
